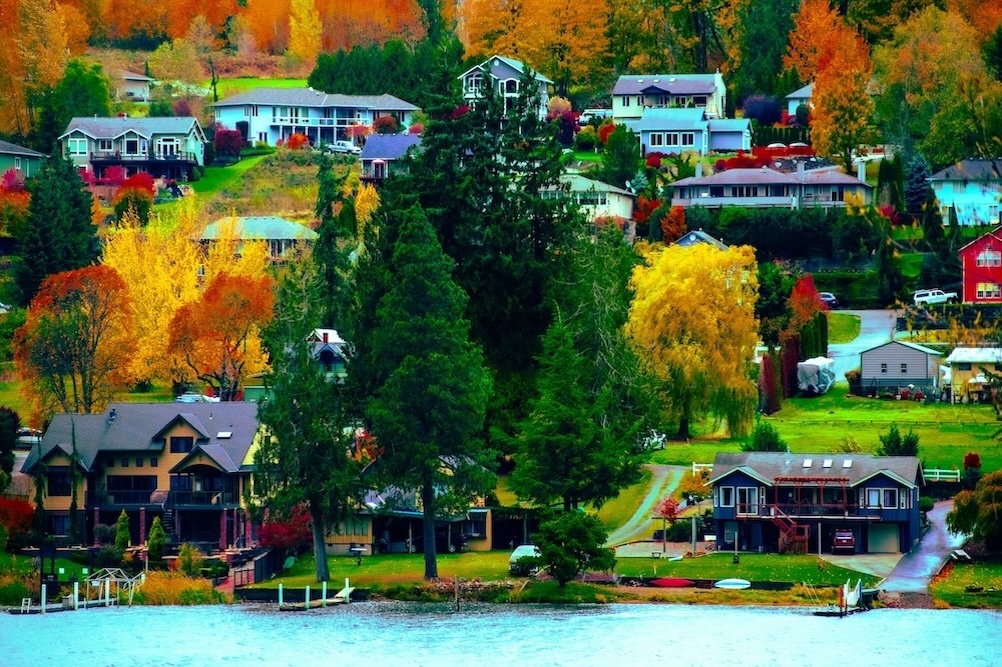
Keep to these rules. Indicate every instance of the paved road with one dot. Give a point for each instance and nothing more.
(917, 568)
(875, 327)
(664, 480)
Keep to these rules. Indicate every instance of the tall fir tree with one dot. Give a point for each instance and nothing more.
(59, 235)
(428, 414)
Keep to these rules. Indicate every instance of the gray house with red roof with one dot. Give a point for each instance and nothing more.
(793, 503)
(767, 187)
(188, 463)
(634, 93)
(268, 115)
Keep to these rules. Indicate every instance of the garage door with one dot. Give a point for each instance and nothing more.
(884, 539)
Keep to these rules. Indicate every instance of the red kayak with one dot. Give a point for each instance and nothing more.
(672, 582)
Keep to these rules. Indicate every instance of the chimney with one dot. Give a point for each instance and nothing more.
(325, 337)
(801, 171)
(112, 415)
(699, 169)
(861, 171)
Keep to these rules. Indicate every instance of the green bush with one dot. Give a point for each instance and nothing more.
(926, 503)
(13, 589)
(764, 438)
(586, 139)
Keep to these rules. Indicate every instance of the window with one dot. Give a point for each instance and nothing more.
(125, 462)
(17, 164)
(988, 291)
(990, 257)
(657, 139)
(904, 501)
(671, 139)
(181, 445)
(476, 525)
(77, 146)
(626, 100)
(993, 213)
(883, 368)
(132, 146)
(727, 496)
(699, 100)
(254, 110)
(688, 139)
(716, 191)
(139, 461)
(890, 499)
(59, 482)
(744, 191)
(104, 144)
(154, 462)
(779, 191)
(747, 500)
(963, 366)
(904, 368)
(59, 525)
(873, 497)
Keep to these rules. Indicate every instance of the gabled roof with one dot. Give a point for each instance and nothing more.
(111, 128)
(388, 146)
(906, 470)
(132, 76)
(994, 233)
(975, 355)
(730, 125)
(308, 97)
(672, 119)
(261, 228)
(972, 169)
(516, 65)
(140, 427)
(578, 183)
(188, 418)
(698, 236)
(217, 453)
(914, 346)
(803, 93)
(762, 176)
(673, 84)
(13, 149)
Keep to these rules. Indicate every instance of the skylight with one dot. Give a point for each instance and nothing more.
(224, 435)
(827, 463)
(808, 463)
(847, 463)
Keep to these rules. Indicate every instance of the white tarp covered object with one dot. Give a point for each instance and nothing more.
(816, 376)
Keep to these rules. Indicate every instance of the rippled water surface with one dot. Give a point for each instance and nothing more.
(377, 634)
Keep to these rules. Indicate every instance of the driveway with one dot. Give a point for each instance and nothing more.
(875, 327)
(664, 480)
(917, 568)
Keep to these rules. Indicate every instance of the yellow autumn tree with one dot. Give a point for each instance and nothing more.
(512, 28)
(692, 324)
(366, 204)
(840, 118)
(305, 30)
(815, 33)
(234, 256)
(575, 45)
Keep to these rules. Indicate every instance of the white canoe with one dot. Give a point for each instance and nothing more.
(733, 584)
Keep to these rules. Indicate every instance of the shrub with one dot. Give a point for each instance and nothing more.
(385, 125)
(174, 588)
(16, 516)
(415, 128)
(104, 534)
(156, 542)
(122, 534)
(894, 444)
(182, 109)
(764, 109)
(926, 503)
(228, 142)
(293, 534)
(586, 139)
(557, 107)
(606, 129)
(189, 560)
(764, 438)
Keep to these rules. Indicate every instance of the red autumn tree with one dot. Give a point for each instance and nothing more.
(135, 194)
(292, 534)
(645, 208)
(972, 460)
(673, 224)
(604, 130)
(385, 125)
(297, 141)
(217, 336)
(72, 350)
(228, 142)
(16, 516)
(804, 302)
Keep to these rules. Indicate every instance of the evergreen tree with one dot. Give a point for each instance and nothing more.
(59, 235)
(890, 277)
(305, 458)
(765, 438)
(10, 422)
(428, 413)
(122, 534)
(894, 444)
(570, 543)
(156, 542)
(917, 175)
(331, 252)
(621, 159)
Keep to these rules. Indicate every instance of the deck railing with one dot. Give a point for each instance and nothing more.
(941, 475)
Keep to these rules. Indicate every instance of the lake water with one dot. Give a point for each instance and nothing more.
(387, 633)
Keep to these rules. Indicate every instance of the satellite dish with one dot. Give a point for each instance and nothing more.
(629, 186)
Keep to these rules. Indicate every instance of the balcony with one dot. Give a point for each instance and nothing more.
(806, 510)
(309, 121)
(107, 159)
(185, 499)
(202, 498)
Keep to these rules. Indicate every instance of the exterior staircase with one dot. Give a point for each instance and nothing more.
(793, 537)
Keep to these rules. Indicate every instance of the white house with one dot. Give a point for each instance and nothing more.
(971, 188)
(133, 87)
(272, 114)
(798, 97)
(597, 199)
(633, 93)
(505, 75)
(673, 130)
(766, 187)
(167, 147)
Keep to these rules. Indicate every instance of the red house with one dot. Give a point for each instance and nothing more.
(981, 261)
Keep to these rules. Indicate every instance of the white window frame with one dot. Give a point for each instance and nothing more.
(17, 163)
(77, 145)
(724, 492)
(749, 506)
(657, 139)
(873, 497)
(106, 145)
(883, 499)
(671, 139)
(626, 101)
(688, 139)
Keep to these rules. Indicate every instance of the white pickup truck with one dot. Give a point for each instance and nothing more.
(925, 297)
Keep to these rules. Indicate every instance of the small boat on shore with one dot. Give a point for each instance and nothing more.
(673, 582)
(733, 584)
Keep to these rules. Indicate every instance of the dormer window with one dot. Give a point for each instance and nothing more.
(181, 445)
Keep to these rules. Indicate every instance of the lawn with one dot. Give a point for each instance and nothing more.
(842, 328)
(587, 156)
(619, 510)
(228, 87)
(946, 432)
(11, 396)
(216, 179)
(951, 586)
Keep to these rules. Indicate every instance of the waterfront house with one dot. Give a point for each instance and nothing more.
(161, 147)
(596, 199)
(24, 161)
(970, 189)
(188, 463)
(898, 364)
(505, 76)
(272, 115)
(793, 503)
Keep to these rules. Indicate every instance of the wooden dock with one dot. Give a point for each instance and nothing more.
(342, 597)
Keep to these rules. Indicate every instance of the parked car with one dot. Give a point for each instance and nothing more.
(194, 397)
(844, 541)
(343, 147)
(519, 567)
(28, 437)
(829, 299)
(588, 114)
(924, 297)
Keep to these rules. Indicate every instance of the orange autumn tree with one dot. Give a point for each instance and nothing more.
(842, 105)
(673, 224)
(814, 35)
(72, 352)
(218, 334)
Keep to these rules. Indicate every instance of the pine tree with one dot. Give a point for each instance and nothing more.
(156, 542)
(59, 235)
(428, 413)
(122, 535)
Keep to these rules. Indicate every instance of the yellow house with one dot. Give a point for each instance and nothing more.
(189, 464)
(965, 373)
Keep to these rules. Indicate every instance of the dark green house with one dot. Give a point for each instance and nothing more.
(20, 159)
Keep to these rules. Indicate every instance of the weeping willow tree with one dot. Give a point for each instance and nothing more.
(692, 322)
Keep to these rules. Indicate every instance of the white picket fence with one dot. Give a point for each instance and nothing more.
(941, 475)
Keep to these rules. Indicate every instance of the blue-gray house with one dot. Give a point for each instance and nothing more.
(382, 151)
(793, 503)
(674, 130)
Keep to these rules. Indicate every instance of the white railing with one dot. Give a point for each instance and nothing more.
(701, 466)
(317, 122)
(941, 475)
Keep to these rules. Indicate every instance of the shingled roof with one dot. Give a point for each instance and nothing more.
(767, 466)
(979, 169)
(674, 84)
(110, 128)
(141, 427)
(308, 97)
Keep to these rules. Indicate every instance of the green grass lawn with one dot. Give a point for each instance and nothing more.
(10, 395)
(620, 509)
(228, 87)
(842, 327)
(911, 264)
(216, 179)
(951, 588)
(791, 568)
(587, 156)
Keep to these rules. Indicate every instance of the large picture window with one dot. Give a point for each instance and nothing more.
(59, 482)
(747, 500)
